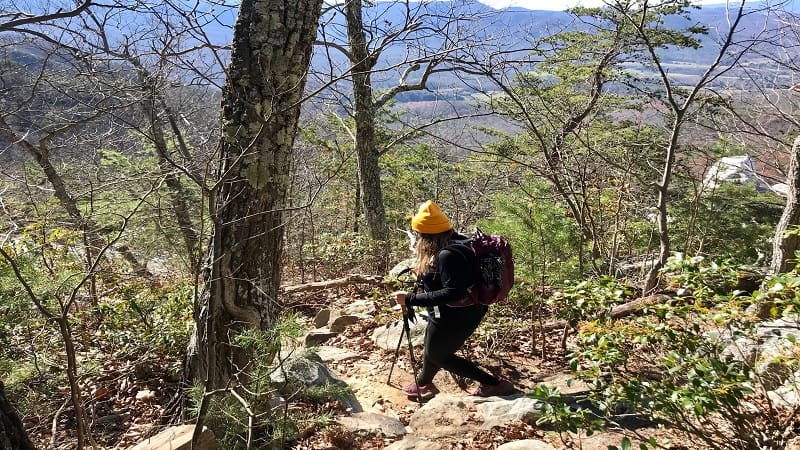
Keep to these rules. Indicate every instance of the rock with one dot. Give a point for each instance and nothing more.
(329, 353)
(414, 443)
(788, 394)
(360, 308)
(276, 402)
(340, 323)
(145, 395)
(179, 438)
(112, 421)
(305, 370)
(316, 337)
(373, 424)
(444, 415)
(322, 318)
(527, 444)
(387, 336)
(501, 411)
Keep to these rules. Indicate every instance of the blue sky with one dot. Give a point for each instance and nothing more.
(560, 5)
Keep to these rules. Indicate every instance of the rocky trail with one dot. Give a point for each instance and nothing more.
(349, 351)
(355, 345)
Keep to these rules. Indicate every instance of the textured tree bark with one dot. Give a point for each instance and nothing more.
(369, 172)
(261, 104)
(784, 246)
(12, 434)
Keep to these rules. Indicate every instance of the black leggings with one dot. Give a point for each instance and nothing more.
(444, 336)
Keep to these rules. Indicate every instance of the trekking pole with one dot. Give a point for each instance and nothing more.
(396, 354)
(402, 331)
(407, 329)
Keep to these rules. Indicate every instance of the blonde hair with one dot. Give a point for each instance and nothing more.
(428, 246)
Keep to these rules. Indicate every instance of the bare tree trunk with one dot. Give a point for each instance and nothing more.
(369, 174)
(12, 434)
(785, 245)
(41, 153)
(261, 105)
(651, 281)
(181, 206)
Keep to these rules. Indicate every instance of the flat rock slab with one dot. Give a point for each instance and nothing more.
(339, 324)
(444, 415)
(414, 443)
(500, 412)
(373, 424)
(179, 438)
(322, 318)
(527, 444)
(335, 354)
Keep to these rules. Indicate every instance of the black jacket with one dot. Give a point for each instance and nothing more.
(447, 281)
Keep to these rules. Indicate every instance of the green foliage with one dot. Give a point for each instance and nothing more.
(733, 221)
(543, 239)
(333, 254)
(273, 424)
(562, 415)
(145, 321)
(671, 364)
(589, 300)
(706, 281)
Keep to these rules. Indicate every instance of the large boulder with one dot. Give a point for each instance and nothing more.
(734, 169)
(304, 372)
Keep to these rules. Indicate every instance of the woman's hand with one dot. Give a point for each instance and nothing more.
(400, 298)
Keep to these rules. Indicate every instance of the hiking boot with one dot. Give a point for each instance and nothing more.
(487, 390)
(424, 391)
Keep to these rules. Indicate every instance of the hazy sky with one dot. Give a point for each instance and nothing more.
(557, 5)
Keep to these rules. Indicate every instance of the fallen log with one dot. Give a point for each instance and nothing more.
(335, 283)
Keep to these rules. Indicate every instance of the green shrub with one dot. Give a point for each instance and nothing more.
(670, 363)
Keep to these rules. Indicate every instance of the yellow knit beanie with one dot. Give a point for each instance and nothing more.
(430, 219)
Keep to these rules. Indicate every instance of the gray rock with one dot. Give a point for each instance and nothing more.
(444, 415)
(306, 370)
(414, 443)
(527, 444)
(317, 337)
(788, 394)
(387, 336)
(179, 438)
(340, 323)
(373, 424)
(501, 411)
(360, 308)
(322, 318)
(329, 353)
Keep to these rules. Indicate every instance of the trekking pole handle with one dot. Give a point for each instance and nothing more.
(400, 297)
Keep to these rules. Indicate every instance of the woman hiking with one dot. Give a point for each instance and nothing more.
(445, 273)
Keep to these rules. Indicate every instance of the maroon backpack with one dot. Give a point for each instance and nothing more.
(494, 268)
